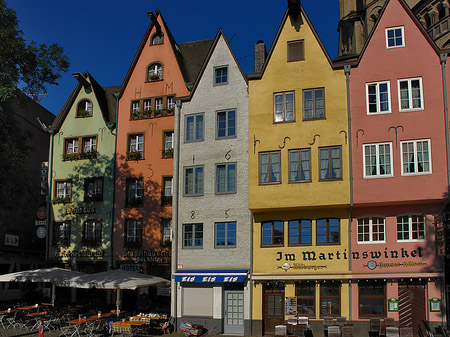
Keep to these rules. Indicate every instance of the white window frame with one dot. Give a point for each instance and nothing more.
(136, 143)
(147, 105)
(410, 228)
(135, 106)
(371, 230)
(410, 98)
(416, 157)
(134, 232)
(159, 103)
(89, 144)
(387, 30)
(284, 113)
(63, 189)
(377, 163)
(198, 180)
(377, 93)
(72, 146)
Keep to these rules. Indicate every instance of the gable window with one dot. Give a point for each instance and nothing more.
(93, 189)
(193, 235)
(283, 107)
(330, 299)
(194, 128)
(226, 178)
(372, 299)
(151, 107)
(269, 167)
(300, 232)
(62, 232)
(299, 165)
(135, 147)
(135, 107)
(305, 293)
(72, 146)
(225, 234)
(411, 228)
(92, 232)
(157, 38)
(168, 144)
(416, 157)
(134, 192)
(371, 230)
(89, 144)
(133, 237)
(295, 51)
(328, 231)
(84, 108)
(395, 37)
(330, 163)
(378, 97)
(313, 104)
(193, 181)
(73, 150)
(378, 160)
(272, 233)
(221, 75)
(154, 72)
(63, 190)
(226, 124)
(410, 94)
(167, 191)
(166, 231)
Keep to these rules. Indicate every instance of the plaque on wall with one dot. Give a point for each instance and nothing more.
(291, 306)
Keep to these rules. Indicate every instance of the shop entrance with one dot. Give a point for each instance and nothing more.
(273, 313)
(411, 305)
(234, 312)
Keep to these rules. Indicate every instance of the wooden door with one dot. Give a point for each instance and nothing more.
(273, 310)
(411, 306)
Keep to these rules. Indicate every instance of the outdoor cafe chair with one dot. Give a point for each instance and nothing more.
(406, 332)
(392, 331)
(3, 321)
(334, 331)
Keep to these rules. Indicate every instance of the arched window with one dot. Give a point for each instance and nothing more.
(154, 72)
(157, 38)
(427, 21)
(84, 108)
(442, 11)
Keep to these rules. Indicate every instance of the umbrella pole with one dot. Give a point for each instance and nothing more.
(53, 294)
(118, 302)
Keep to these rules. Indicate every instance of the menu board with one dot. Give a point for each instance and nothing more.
(291, 305)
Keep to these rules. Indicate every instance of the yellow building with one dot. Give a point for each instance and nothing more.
(299, 180)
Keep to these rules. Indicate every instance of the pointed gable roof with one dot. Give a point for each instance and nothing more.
(105, 98)
(275, 41)
(189, 55)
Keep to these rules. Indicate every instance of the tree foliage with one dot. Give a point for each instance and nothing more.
(29, 65)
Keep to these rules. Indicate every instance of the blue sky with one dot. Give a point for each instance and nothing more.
(102, 36)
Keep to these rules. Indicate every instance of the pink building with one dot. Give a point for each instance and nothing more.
(399, 172)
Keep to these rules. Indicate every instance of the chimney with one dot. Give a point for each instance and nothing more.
(294, 8)
(260, 55)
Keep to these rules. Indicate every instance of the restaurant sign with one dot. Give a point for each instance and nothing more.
(80, 210)
(147, 255)
(79, 253)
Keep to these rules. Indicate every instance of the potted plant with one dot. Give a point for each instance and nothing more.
(154, 77)
(83, 113)
(134, 155)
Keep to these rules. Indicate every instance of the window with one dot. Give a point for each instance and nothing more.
(135, 106)
(157, 38)
(226, 178)
(378, 98)
(378, 160)
(193, 181)
(167, 191)
(154, 72)
(134, 192)
(269, 167)
(194, 128)
(283, 107)
(62, 232)
(166, 228)
(226, 124)
(63, 189)
(147, 105)
(84, 109)
(72, 146)
(73, 151)
(93, 189)
(410, 94)
(305, 293)
(330, 295)
(92, 232)
(416, 157)
(300, 232)
(395, 37)
(193, 235)
(299, 165)
(295, 51)
(371, 230)
(225, 234)
(170, 103)
(410, 228)
(168, 144)
(133, 236)
(313, 104)
(151, 107)
(272, 233)
(328, 231)
(372, 299)
(89, 144)
(136, 147)
(221, 75)
(330, 163)
(159, 103)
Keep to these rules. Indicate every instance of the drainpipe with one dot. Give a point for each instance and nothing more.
(443, 58)
(49, 192)
(175, 197)
(350, 159)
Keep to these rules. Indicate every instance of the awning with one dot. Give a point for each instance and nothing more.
(210, 276)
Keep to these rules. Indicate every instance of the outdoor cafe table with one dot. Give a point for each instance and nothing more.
(28, 307)
(78, 322)
(125, 326)
(6, 312)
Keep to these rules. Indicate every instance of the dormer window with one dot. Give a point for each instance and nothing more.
(157, 38)
(84, 108)
(154, 72)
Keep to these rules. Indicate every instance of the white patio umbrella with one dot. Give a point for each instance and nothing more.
(115, 279)
(55, 276)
